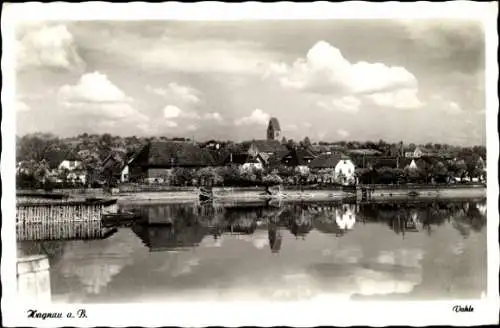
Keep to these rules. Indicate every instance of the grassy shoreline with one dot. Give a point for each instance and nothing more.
(376, 192)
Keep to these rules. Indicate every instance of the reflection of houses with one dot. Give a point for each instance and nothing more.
(242, 225)
(275, 238)
(346, 217)
(338, 166)
(300, 226)
(169, 214)
(165, 238)
(405, 222)
(327, 224)
(155, 161)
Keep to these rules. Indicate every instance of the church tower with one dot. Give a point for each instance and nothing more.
(273, 129)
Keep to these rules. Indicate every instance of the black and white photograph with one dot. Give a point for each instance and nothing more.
(202, 164)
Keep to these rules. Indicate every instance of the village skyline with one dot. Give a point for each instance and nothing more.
(329, 80)
(186, 138)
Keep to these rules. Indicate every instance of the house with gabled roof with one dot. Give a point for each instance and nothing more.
(155, 160)
(70, 162)
(268, 147)
(244, 161)
(339, 166)
(112, 166)
(299, 159)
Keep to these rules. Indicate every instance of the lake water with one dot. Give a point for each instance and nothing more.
(278, 252)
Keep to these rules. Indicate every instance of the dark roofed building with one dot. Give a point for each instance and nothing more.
(298, 157)
(156, 158)
(112, 167)
(378, 162)
(327, 161)
(273, 129)
(237, 159)
(391, 162)
(266, 146)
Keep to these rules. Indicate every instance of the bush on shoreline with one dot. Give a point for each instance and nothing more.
(231, 176)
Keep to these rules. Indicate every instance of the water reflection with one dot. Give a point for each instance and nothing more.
(419, 250)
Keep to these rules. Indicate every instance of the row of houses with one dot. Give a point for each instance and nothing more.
(156, 160)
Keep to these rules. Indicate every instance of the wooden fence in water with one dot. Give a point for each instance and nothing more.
(63, 231)
(66, 211)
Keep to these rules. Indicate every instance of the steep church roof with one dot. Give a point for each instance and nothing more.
(274, 124)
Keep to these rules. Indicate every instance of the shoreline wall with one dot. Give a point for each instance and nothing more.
(375, 192)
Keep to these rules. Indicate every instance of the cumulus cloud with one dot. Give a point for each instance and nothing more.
(256, 117)
(176, 91)
(47, 46)
(343, 133)
(325, 71)
(21, 106)
(445, 105)
(401, 99)
(95, 94)
(171, 111)
(213, 116)
(171, 124)
(93, 87)
(348, 104)
(192, 127)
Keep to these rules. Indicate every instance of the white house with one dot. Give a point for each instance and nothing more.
(70, 164)
(245, 162)
(124, 175)
(251, 164)
(417, 153)
(413, 165)
(338, 165)
(75, 177)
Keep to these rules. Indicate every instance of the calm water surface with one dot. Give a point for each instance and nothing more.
(282, 252)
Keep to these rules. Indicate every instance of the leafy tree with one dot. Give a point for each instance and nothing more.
(440, 173)
(307, 142)
(106, 139)
(291, 144)
(182, 176)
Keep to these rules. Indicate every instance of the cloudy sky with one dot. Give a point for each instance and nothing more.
(416, 81)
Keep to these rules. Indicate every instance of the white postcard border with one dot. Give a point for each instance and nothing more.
(314, 313)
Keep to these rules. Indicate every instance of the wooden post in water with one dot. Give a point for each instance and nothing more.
(33, 279)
